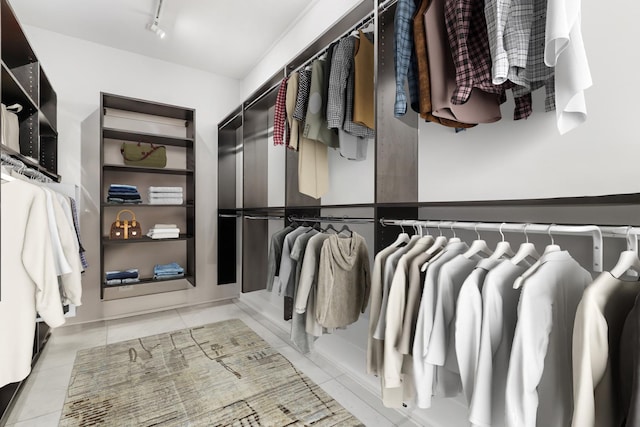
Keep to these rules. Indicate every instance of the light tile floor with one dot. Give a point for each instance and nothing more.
(40, 403)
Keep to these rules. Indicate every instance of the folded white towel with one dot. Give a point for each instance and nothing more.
(165, 189)
(164, 195)
(164, 230)
(166, 201)
(163, 236)
(164, 226)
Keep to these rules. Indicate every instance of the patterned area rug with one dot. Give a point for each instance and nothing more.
(221, 374)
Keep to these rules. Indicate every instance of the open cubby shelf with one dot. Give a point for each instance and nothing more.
(144, 128)
(125, 135)
(149, 280)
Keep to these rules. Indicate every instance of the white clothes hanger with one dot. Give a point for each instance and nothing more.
(552, 247)
(402, 238)
(454, 239)
(503, 248)
(438, 245)
(526, 250)
(628, 259)
(478, 246)
(369, 28)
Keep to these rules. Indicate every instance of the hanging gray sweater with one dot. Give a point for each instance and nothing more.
(344, 281)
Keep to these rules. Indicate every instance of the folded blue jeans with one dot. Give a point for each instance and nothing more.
(123, 187)
(168, 276)
(126, 274)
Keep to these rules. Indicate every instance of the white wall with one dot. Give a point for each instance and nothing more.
(519, 160)
(79, 71)
(313, 23)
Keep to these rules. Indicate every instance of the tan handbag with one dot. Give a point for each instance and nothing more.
(126, 229)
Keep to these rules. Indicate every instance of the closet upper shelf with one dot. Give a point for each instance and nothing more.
(136, 205)
(140, 169)
(28, 161)
(107, 241)
(146, 137)
(12, 93)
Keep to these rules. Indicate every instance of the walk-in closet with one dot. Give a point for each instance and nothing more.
(326, 212)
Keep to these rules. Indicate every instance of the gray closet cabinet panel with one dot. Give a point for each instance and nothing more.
(396, 139)
(255, 155)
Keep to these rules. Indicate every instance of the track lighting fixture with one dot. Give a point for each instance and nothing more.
(155, 25)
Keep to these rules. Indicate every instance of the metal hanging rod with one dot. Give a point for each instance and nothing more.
(596, 232)
(577, 230)
(262, 95)
(263, 217)
(228, 216)
(349, 220)
(386, 5)
(360, 24)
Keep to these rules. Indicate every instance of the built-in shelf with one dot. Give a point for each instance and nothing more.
(140, 169)
(142, 125)
(31, 163)
(147, 281)
(144, 239)
(146, 137)
(146, 205)
(14, 93)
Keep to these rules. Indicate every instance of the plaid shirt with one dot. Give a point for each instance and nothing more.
(341, 87)
(424, 81)
(302, 102)
(406, 66)
(537, 74)
(467, 32)
(280, 114)
(509, 38)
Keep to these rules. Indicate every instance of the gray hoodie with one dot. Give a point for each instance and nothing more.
(344, 281)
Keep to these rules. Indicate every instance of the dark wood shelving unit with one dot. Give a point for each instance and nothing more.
(113, 253)
(23, 81)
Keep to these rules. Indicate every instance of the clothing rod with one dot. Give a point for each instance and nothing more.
(263, 217)
(361, 24)
(228, 216)
(385, 5)
(262, 95)
(349, 220)
(551, 229)
(229, 121)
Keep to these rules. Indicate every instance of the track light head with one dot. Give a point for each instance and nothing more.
(154, 26)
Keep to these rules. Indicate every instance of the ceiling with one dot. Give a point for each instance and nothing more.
(220, 36)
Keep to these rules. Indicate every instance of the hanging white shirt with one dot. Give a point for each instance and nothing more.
(28, 277)
(539, 379)
(423, 371)
(468, 324)
(61, 262)
(564, 50)
(390, 266)
(286, 263)
(499, 315)
(597, 330)
(393, 357)
(72, 281)
(374, 346)
(442, 342)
